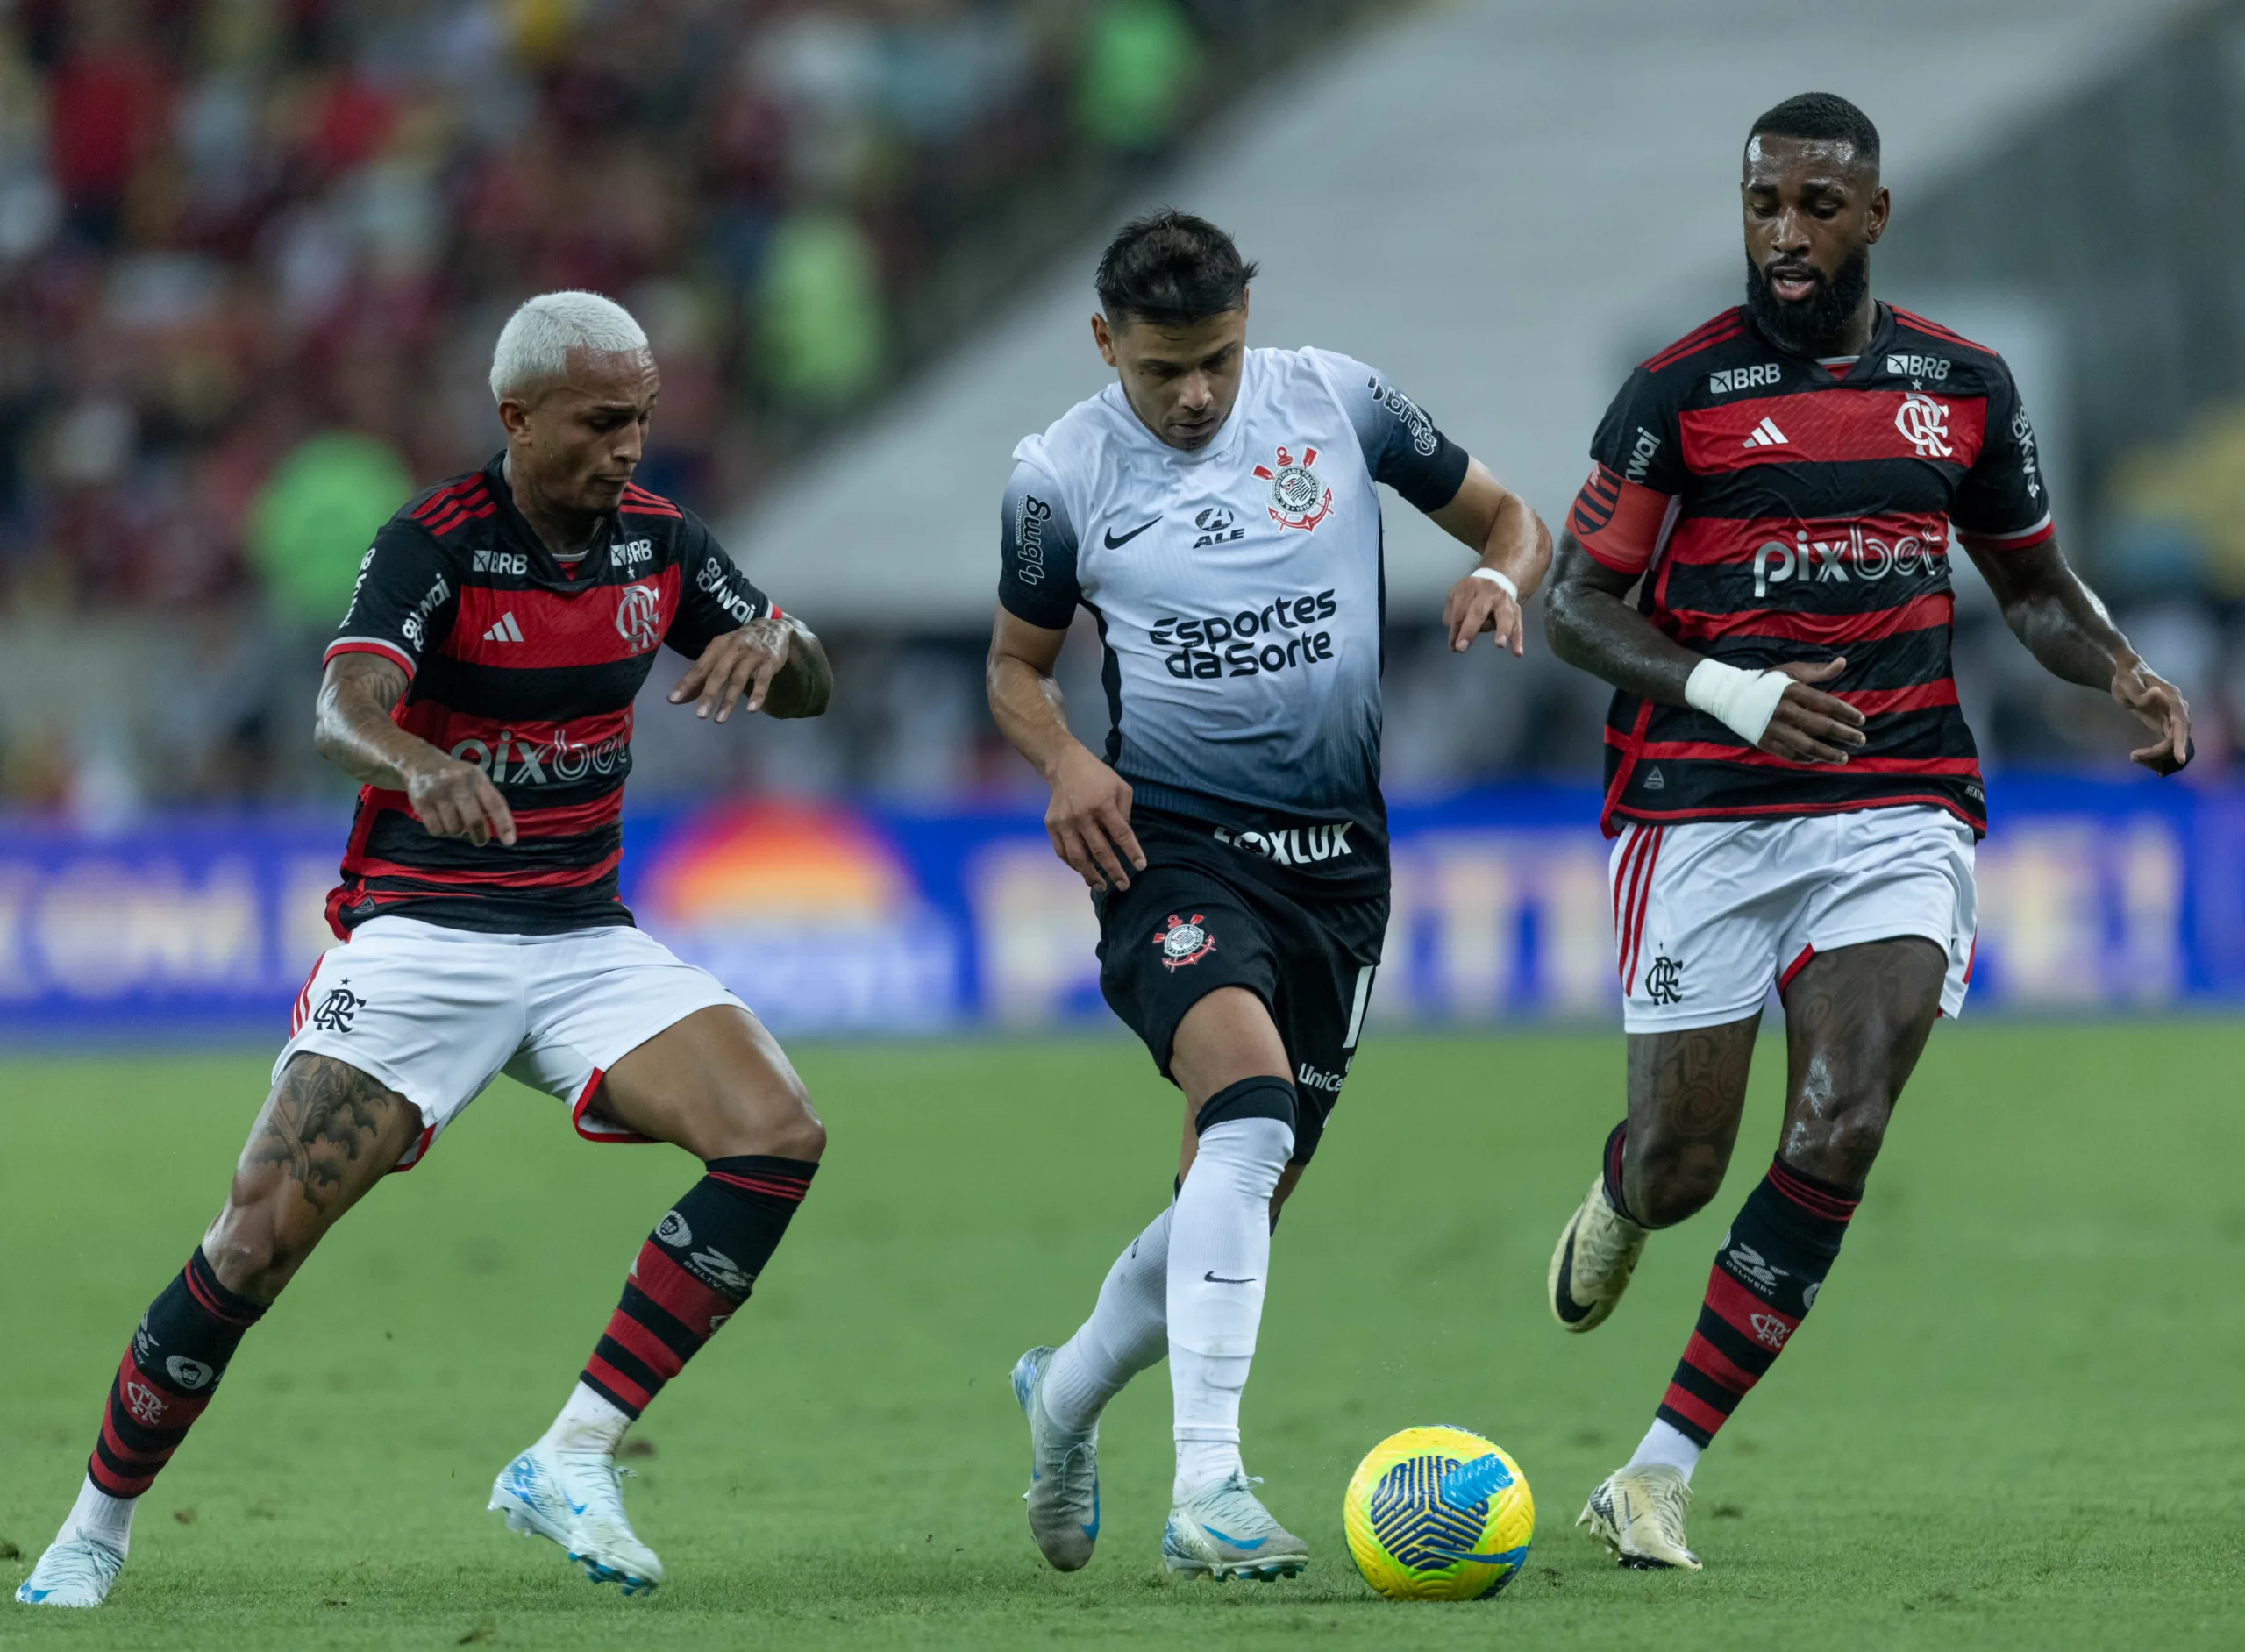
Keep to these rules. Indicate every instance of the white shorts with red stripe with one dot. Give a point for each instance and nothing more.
(1709, 914)
(437, 1014)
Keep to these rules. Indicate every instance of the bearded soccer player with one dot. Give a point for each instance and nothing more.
(481, 687)
(1792, 791)
(1216, 509)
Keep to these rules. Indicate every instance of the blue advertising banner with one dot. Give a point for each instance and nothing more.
(859, 918)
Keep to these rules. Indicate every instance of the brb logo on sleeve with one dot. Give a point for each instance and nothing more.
(1298, 499)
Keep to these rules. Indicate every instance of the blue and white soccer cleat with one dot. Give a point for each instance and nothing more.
(74, 1571)
(575, 1498)
(1226, 1533)
(1063, 1495)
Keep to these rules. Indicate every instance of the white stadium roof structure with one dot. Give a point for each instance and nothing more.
(1500, 203)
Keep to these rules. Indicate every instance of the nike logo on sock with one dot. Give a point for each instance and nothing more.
(1115, 542)
(1214, 1277)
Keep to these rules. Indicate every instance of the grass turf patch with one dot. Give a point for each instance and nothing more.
(2013, 1423)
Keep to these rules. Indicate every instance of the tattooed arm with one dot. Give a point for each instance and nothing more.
(354, 729)
(1590, 623)
(2066, 627)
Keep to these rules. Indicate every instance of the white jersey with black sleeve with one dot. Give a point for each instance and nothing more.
(1238, 591)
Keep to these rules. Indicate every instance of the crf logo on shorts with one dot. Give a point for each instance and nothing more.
(337, 1010)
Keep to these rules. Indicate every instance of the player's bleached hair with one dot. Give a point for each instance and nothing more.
(534, 346)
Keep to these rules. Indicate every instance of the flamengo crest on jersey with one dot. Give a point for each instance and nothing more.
(1238, 587)
(1780, 510)
(528, 671)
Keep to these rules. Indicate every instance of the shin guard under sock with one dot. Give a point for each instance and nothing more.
(698, 1266)
(168, 1375)
(1763, 1282)
(1218, 1254)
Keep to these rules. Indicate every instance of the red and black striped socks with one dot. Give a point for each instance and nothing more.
(697, 1267)
(1763, 1282)
(170, 1369)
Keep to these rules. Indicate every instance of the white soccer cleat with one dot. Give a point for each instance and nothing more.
(575, 1498)
(74, 1571)
(1227, 1533)
(1063, 1495)
(1639, 1514)
(1590, 1270)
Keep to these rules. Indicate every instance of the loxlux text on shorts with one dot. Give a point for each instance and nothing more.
(1290, 845)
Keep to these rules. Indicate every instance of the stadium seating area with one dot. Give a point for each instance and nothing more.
(253, 251)
(252, 254)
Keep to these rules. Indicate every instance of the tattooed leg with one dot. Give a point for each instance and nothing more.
(326, 1134)
(1687, 1090)
(1856, 1020)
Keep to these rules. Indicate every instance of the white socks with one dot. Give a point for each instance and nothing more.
(1219, 1253)
(107, 1520)
(1664, 1443)
(1128, 1331)
(589, 1422)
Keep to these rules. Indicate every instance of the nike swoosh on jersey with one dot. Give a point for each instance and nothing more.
(1117, 543)
(1214, 1277)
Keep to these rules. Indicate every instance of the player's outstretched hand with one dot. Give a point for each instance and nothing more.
(2161, 707)
(1810, 726)
(742, 661)
(1089, 820)
(456, 799)
(1474, 606)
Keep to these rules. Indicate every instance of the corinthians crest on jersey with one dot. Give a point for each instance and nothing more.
(1298, 499)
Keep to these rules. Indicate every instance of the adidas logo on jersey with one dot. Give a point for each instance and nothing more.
(1766, 434)
(506, 631)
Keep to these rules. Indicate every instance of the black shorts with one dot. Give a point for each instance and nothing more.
(1199, 917)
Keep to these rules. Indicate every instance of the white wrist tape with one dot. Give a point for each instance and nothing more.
(1743, 702)
(1501, 581)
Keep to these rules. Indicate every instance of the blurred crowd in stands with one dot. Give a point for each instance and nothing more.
(252, 254)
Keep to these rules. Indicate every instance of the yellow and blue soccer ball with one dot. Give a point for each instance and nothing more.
(1438, 1514)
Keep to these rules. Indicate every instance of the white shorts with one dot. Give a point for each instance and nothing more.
(437, 1014)
(1709, 914)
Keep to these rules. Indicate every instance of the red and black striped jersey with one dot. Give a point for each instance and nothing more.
(526, 668)
(1783, 509)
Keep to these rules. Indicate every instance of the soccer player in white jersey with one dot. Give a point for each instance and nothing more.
(1216, 510)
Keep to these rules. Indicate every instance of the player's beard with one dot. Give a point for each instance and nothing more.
(1815, 326)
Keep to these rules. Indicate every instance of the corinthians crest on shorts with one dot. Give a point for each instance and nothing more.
(1183, 941)
(1298, 499)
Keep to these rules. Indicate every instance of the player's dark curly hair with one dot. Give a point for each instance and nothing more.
(1171, 269)
(1821, 117)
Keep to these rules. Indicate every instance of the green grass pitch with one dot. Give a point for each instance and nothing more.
(2013, 1421)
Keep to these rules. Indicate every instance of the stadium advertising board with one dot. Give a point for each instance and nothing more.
(866, 919)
